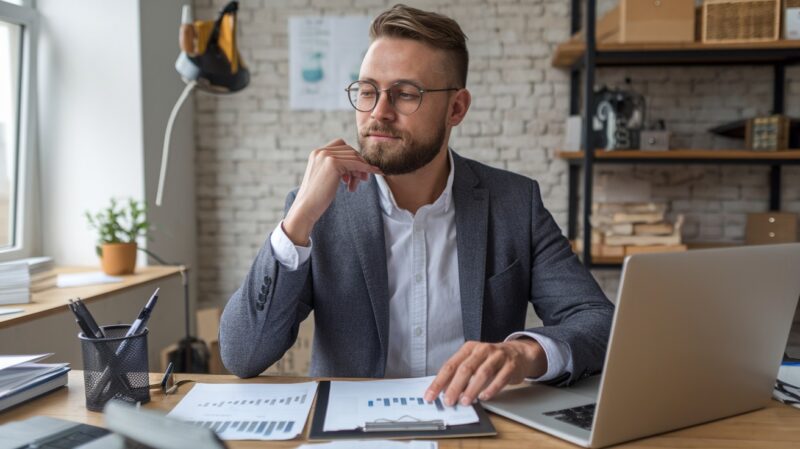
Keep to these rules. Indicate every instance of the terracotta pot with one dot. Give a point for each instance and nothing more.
(118, 258)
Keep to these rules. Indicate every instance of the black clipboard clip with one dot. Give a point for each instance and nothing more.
(399, 425)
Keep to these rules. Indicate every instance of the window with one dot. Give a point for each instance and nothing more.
(17, 53)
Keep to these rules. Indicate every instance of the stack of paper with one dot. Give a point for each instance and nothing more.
(21, 378)
(19, 278)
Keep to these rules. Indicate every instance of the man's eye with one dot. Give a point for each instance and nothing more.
(366, 94)
(407, 96)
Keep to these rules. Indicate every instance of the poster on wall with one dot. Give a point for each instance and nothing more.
(325, 56)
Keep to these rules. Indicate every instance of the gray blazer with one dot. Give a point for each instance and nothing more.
(510, 252)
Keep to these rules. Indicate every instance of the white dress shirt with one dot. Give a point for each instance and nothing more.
(425, 325)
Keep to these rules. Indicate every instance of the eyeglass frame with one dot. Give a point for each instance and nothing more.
(378, 91)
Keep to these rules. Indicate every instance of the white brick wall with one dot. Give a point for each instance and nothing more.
(252, 150)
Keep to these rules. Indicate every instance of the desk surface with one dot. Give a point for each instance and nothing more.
(775, 427)
(53, 300)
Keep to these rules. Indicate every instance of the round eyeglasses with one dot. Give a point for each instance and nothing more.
(404, 96)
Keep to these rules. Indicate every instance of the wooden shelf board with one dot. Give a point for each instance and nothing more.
(684, 154)
(568, 53)
(691, 245)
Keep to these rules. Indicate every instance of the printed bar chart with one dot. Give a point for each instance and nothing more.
(255, 428)
(248, 411)
(412, 402)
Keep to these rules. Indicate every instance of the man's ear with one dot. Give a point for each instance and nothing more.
(459, 108)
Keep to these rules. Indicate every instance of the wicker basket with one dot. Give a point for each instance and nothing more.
(741, 20)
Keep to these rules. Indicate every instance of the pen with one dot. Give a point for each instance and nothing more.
(78, 319)
(141, 321)
(85, 319)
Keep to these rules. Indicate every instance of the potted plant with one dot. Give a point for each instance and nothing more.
(119, 226)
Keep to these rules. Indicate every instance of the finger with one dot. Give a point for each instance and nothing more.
(335, 142)
(501, 379)
(353, 184)
(483, 376)
(463, 375)
(446, 372)
(346, 178)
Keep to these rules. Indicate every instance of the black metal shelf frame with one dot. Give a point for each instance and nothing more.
(779, 58)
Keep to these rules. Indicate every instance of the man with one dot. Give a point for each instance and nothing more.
(416, 260)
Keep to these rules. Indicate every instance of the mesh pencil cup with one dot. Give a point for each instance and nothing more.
(115, 367)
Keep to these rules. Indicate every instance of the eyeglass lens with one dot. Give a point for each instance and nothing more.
(405, 97)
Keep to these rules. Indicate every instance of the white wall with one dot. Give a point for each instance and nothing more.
(107, 85)
(91, 118)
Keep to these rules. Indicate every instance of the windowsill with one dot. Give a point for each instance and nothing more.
(48, 302)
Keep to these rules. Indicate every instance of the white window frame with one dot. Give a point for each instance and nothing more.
(26, 239)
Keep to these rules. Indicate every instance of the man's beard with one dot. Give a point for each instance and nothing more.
(402, 156)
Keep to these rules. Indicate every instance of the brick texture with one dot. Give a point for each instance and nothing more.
(251, 150)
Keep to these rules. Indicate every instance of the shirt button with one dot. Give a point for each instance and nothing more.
(418, 331)
(418, 278)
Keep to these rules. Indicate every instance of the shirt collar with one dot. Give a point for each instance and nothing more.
(388, 204)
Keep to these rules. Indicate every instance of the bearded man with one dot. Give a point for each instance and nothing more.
(417, 261)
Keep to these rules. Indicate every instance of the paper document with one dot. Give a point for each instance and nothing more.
(13, 360)
(248, 411)
(90, 278)
(373, 444)
(789, 392)
(352, 404)
(10, 310)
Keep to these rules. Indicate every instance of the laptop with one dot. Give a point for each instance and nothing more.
(696, 336)
(133, 428)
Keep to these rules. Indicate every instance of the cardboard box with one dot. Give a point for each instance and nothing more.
(646, 21)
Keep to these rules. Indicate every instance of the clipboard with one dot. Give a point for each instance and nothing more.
(395, 429)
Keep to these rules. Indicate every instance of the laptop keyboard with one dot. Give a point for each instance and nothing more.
(581, 416)
(70, 438)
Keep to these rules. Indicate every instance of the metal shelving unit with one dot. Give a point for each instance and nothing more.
(584, 57)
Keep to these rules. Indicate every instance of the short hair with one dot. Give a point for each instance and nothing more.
(433, 29)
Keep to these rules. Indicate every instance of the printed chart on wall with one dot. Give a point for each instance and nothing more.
(325, 56)
(248, 411)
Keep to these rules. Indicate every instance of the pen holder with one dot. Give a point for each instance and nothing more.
(115, 367)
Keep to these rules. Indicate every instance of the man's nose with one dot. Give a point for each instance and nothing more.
(384, 111)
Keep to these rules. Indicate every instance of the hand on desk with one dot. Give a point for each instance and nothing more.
(481, 370)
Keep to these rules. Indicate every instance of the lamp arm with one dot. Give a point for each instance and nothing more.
(165, 149)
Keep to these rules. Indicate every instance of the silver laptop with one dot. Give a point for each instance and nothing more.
(696, 336)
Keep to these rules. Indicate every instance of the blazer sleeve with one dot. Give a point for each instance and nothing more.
(262, 318)
(573, 308)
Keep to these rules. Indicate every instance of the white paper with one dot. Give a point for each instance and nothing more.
(325, 55)
(373, 444)
(248, 411)
(13, 360)
(81, 279)
(791, 375)
(9, 310)
(352, 404)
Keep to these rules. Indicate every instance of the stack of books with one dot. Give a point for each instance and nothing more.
(22, 379)
(20, 278)
(622, 229)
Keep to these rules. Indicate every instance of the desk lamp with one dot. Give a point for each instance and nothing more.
(209, 61)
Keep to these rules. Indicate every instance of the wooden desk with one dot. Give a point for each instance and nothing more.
(775, 427)
(46, 325)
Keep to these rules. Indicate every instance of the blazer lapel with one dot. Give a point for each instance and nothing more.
(472, 215)
(366, 226)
